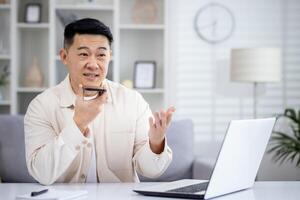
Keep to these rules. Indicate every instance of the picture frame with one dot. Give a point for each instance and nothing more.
(33, 13)
(144, 74)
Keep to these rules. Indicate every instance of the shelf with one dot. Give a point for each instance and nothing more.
(29, 38)
(151, 91)
(4, 6)
(142, 26)
(4, 103)
(35, 26)
(4, 57)
(85, 7)
(31, 89)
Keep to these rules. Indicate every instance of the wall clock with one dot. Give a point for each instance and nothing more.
(214, 23)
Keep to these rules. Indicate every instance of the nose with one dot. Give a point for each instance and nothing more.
(92, 63)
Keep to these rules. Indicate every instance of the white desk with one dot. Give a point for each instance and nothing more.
(261, 191)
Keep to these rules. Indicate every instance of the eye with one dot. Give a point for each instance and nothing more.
(83, 54)
(101, 55)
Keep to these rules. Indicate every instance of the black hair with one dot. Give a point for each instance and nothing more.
(86, 26)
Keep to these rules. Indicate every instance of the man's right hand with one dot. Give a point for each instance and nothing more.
(86, 111)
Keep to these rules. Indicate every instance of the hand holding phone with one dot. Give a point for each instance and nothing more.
(89, 103)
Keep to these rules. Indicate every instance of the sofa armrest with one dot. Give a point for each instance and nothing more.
(202, 168)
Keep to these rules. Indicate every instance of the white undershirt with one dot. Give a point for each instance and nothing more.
(92, 174)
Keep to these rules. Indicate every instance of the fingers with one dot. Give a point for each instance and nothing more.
(163, 119)
(102, 98)
(157, 120)
(160, 120)
(170, 112)
(151, 123)
(171, 109)
(169, 119)
(80, 92)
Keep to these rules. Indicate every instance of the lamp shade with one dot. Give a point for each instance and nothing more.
(256, 65)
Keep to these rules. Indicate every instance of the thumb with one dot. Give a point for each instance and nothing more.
(170, 112)
(80, 92)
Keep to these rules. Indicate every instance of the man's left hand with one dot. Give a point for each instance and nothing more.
(158, 129)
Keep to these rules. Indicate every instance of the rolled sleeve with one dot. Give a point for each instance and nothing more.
(72, 136)
(150, 164)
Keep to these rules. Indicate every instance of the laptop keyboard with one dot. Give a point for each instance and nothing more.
(191, 188)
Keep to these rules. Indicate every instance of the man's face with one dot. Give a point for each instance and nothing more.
(87, 60)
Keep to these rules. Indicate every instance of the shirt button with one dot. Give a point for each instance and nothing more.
(77, 147)
(82, 176)
(89, 145)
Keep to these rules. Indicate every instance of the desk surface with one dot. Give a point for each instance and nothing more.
(260, 191)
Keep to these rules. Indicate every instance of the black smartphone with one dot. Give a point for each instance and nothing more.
(87, 89)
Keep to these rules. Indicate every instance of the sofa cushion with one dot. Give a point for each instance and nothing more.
(180, 136)
(12, 150)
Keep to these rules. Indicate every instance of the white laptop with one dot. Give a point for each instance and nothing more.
(236, 166)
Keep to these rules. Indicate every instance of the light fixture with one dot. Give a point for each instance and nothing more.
(255, 65)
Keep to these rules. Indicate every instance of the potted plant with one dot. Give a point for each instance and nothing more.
(286, 144)
(4, 73)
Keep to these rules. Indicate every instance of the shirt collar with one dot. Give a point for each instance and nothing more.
(68, 97)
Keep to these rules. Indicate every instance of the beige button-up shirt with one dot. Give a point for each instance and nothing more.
(56, 150)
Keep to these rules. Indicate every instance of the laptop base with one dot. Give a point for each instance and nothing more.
(170, 194)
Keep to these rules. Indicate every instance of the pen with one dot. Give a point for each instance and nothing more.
(33, 194)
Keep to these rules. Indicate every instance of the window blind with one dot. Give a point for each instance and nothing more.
(204, 91)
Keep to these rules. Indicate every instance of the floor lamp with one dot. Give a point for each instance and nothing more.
(255, 65)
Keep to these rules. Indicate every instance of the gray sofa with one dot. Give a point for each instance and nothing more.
(180, 139)
(12, 150)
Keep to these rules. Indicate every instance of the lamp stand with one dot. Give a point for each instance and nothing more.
(254, 100)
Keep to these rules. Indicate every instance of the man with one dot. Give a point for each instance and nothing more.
(77, 136)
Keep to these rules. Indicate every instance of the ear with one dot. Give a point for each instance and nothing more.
(63, 55)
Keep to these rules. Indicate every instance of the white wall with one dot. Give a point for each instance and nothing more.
(199, 72)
